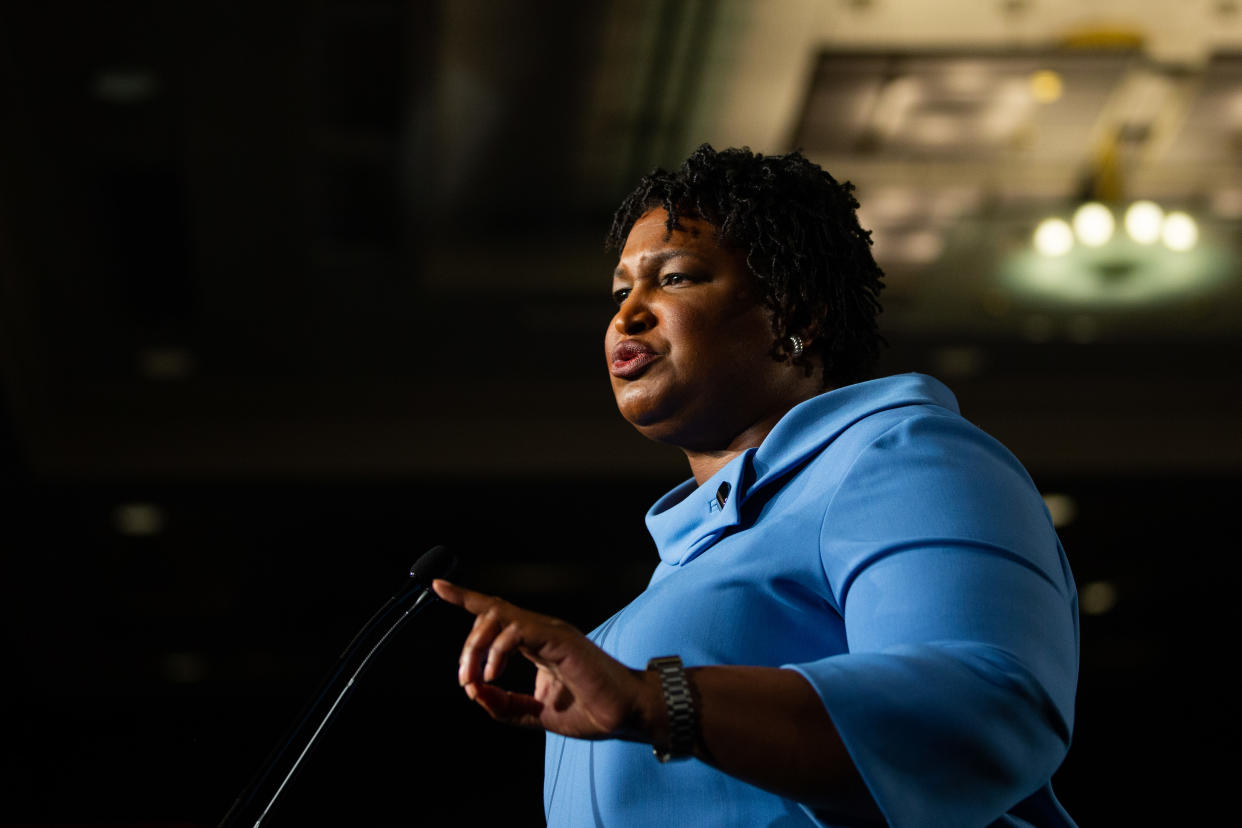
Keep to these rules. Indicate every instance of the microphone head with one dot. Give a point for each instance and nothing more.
(436, 562)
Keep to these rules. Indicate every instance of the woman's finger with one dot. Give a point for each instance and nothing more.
(475, 650)
(504, 706)
(508, 639)
(467, 599)
(447, 591)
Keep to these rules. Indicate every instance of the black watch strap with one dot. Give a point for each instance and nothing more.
(683, 720)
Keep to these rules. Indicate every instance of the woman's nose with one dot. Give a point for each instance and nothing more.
(634, 316)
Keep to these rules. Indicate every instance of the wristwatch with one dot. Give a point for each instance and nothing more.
(683, 720)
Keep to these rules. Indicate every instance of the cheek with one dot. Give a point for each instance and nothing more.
(744, 334)
(611, 337)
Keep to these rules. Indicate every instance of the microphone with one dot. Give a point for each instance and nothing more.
(258, 799)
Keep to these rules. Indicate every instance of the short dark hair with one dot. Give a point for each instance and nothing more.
(798, 228)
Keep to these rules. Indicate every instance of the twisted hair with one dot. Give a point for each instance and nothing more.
(798, 228)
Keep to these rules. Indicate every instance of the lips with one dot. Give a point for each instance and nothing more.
(631, 357)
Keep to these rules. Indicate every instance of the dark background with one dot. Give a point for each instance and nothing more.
(292, 292)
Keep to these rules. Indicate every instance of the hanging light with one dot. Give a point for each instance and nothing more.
(1053, 237)
(1179, 231)
(1144, 221)
(1093, 224)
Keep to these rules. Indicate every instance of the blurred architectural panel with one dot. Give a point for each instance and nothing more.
(968, 106)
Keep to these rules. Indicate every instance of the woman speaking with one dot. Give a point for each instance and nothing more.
(861, 611)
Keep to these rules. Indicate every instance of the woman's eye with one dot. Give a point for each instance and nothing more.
(674, 278)
(619, 295)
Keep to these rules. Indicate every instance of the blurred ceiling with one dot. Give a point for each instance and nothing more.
(364, 238)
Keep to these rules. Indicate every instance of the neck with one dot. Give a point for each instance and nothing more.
(705, 463)
(706, 460)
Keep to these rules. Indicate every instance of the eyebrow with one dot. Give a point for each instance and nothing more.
(655, 260)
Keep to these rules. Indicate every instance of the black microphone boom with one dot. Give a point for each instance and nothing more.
(257, 801)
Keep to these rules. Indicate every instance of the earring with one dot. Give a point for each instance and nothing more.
(795, 345)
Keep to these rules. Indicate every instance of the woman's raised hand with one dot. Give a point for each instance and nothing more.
(580, 690)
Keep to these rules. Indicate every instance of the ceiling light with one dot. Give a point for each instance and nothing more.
(1061, 508)
(1046, 86)
(895, 100)
(891, 205)
(138, 519)
(1227, 203)
(967, 78)
(1143, 221)
(1093, 224)
(1180, 231)
(922, 246)
(1116, 269)
(1053, 237)
(1097, 597)
(1007, 111)
(125, 86)
(950, 203)
(937, 129)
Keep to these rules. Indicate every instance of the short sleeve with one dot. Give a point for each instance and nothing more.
(956, 697)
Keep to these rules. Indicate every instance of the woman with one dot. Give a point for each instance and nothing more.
(872, 612)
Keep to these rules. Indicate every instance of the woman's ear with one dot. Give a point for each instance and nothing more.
(809, 334)
(800, 341)
(793, 348)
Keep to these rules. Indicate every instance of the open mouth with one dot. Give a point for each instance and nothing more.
(631, 358)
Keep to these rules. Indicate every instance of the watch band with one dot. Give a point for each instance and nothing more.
(683, 720)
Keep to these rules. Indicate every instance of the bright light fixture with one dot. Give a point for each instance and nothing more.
(1061, 508)
(1098, 597)
(1143, 221)
(1046, 86)
(922, 247)
(138, 519)
(1093, 224)
(1180, 231)
(1053, 237)
(1111, 268)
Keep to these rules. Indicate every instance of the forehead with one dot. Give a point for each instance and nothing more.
(650, 236)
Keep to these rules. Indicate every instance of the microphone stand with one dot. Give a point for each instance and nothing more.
(258, 799)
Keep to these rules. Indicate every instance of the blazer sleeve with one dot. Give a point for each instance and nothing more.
(955, 699)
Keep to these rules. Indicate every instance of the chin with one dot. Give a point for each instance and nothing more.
(639, 405)
(649, 422)
(642, 419)
(660, 427)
